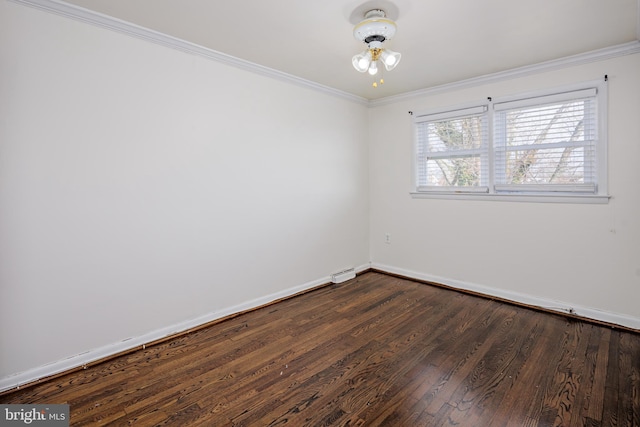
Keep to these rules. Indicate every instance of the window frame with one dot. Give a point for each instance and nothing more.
(469, 111)
(588, 193)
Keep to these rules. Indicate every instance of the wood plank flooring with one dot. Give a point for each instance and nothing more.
(376, 350)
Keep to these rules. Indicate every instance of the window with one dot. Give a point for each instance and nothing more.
(452, 150)
(544, 145)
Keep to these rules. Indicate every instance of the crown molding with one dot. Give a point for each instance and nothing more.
(638, 21)
(78, 13)
(556, 64)
(98, 19)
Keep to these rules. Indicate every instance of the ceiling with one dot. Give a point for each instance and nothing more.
(441, 41)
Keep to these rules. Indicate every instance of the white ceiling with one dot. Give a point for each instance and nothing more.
(441, 41)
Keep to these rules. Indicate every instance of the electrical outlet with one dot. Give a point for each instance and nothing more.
(387, 238)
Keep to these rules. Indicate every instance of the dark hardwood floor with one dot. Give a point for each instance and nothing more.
(376, 350)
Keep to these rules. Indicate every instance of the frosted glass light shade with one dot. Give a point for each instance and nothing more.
(390, 59)
(362, 61)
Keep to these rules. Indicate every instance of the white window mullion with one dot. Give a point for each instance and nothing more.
(490, 150)
(454, 154)
(562, 144)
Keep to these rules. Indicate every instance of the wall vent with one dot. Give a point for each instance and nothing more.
(343, 276)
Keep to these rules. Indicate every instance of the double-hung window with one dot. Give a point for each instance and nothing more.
(543, 146)
(452, 150)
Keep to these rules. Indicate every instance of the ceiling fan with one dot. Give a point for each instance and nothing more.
(374, 31)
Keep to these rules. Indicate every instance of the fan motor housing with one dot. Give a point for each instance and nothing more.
(375, 27)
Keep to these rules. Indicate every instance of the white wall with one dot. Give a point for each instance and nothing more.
(587, 256)
(141, 187)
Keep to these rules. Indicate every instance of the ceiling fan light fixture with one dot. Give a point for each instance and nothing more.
(374, 31)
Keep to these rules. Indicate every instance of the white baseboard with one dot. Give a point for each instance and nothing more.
(86, 358)
(547, 304)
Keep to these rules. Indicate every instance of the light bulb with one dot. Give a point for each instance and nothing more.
(390, 60)
(373, 68)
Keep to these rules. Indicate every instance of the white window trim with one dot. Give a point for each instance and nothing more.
(587, 194)
(465, 110)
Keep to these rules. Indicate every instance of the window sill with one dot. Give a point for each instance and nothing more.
(530, 198)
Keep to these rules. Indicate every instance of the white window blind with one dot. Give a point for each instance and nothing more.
(547, 144)
(543, 145)
(452, 153)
